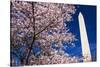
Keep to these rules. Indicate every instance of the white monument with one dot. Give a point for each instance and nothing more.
(84, 39)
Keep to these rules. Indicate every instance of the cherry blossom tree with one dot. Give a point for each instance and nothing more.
(38, 32)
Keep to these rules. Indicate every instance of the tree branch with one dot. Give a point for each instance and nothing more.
(31, 46)
(43, 29)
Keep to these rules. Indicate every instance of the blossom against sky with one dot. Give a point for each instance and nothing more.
(48, 33)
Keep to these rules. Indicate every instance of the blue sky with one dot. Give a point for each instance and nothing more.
(89, 13)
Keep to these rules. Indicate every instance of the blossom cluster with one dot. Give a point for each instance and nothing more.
(43, 27)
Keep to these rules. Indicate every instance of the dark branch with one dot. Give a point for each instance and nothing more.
(31, 46)
(43, 29)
